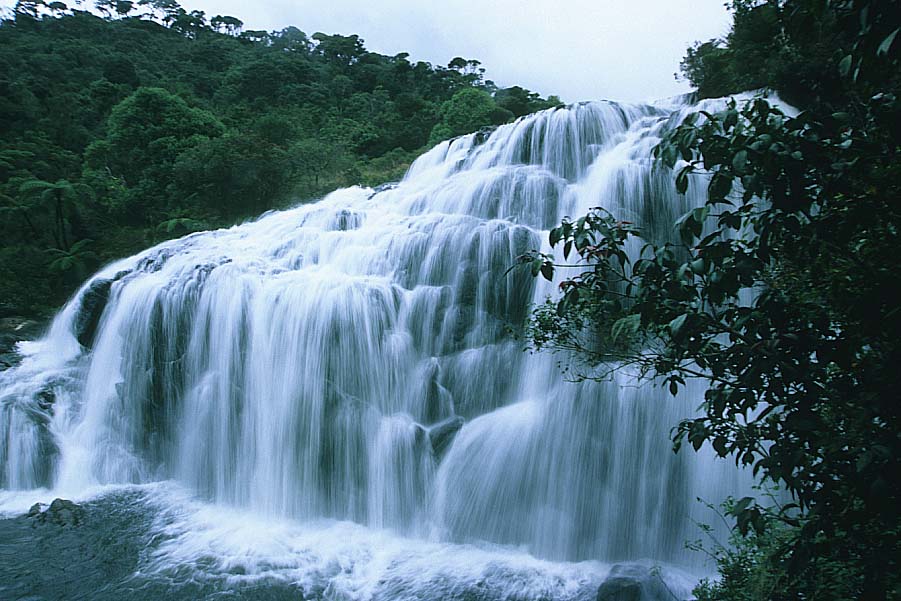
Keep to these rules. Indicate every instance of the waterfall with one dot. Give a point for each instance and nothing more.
(361, 358)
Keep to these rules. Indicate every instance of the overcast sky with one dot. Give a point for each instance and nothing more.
(579, 49)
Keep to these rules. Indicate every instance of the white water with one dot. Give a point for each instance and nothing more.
(294, 368)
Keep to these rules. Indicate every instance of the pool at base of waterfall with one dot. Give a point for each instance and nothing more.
(158, 542)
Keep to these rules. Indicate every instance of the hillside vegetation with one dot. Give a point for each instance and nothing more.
(120, 131)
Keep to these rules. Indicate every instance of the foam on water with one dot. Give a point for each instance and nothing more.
(343, 560)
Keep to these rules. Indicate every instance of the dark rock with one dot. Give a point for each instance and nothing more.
(634, 583)
(8, 360)
(45, 399)
(154, 262)
(481, 136)
(420, 435)
(7, 342)
(620, 589)
(438, 403)
(384, 188)
(36, 510)
(12, 331)
(93, 302)
(61, 512)
(442, 434)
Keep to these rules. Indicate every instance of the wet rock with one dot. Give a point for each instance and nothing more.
(36, 510)
(442, 434)
(620, 589)
(481, 136)
(438, 403)
(20, 328)
(8, 360)
(45, 399)
(420, 435)
(61, 512)
(383, 188)
(12, 331)
(154, 262)
(93, 302)
(634, 583)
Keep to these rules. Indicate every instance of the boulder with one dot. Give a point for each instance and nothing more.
(93, 302)
(61, 512)
(631, 582)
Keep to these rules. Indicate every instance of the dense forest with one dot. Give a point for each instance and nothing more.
(151, 122)
(802, 216)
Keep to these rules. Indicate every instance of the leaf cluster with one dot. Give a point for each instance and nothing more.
(780, 295)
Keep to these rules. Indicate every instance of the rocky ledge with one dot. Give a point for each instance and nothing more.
(13, 330)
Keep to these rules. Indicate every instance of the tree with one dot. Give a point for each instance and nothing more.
(189, 23)
(225, 24)
(234, 175)
(61, 197)
(469, 68)
(107, 7)
(76, 260)
(257, 36)
(57, 8)
(339, 49)
(168, 9)
(146, 133)
(800, 216)
(468, 110)
(707, 67)
(293, 40)
(123, 7)
(316, 158)
(11, 207)
(521, 101)
(28, 8)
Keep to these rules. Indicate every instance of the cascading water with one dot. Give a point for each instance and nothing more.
(355, 359)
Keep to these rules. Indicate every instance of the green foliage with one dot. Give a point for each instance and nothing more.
(707, 66)
(231, 175)
(154, 121)
(468, 110)
(147, 134)
(802, 49)
(751, 566)
(520, 101)
(780, 295)
(78, 258)
(756, 53)
(742, 561)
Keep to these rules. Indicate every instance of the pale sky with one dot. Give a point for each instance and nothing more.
(580, 50)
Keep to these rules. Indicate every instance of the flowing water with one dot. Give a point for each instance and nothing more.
(338, 396)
